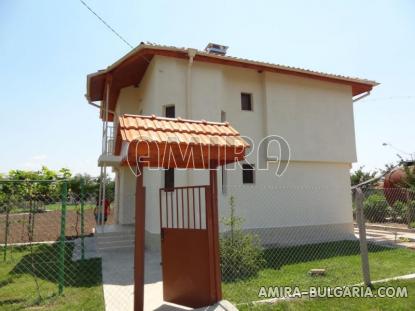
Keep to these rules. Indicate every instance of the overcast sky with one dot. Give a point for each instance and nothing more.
(48, 47)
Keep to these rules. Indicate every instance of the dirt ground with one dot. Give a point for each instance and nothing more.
(47, 226)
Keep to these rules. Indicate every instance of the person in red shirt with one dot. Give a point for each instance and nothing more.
(107, 211)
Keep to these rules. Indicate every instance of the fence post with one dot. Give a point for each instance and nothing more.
(408, 208)
(360, 218)
(6, 234)
(61, 275)
(82, 219)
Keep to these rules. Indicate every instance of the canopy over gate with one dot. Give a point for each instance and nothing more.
(177, 143)
(150, 141)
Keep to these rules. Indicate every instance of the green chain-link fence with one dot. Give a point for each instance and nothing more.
(43, 228)
(49, 259)
(285, 240)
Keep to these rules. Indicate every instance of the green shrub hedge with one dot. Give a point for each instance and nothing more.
(375, 208)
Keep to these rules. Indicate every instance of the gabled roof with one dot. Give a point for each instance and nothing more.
(130, 69)
(171, 142)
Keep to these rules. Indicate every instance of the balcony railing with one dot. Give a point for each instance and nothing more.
(108, 140)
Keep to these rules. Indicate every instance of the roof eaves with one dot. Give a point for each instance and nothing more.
(266, 64)
(143, 46)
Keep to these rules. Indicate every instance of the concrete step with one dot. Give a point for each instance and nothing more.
(108, 241)
(114, 231)
(114, 237)
(115, 245)
(114, 241)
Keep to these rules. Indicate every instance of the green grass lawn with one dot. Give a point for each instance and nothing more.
(346, 303)
(18, 277)
(289, 267)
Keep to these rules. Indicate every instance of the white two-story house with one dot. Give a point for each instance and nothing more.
(311, 111)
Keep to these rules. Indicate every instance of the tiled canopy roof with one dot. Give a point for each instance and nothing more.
(177, 135)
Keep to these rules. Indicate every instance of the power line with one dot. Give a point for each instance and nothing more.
(106, 24)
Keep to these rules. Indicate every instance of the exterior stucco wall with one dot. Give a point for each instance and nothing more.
(126, 196)
(315, 117)
(307, 194)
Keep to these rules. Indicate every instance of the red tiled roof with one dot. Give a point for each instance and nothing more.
(152, 130)
(130, 69)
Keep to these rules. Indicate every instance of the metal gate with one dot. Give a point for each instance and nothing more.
(185, 235)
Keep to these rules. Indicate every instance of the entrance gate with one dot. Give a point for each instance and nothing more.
(185, 245)
(190, 247)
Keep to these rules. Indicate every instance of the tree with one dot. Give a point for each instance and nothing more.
(359, 176)
(241, 253)
(409, 180)
(44, 186)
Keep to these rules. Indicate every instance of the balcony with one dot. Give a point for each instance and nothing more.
(107, 157)
(108, 140)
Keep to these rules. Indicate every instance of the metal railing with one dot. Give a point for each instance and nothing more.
(184, 207)
(108, 139)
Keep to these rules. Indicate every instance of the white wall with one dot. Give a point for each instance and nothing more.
(307, 194)
(126, 208)
(315, 117)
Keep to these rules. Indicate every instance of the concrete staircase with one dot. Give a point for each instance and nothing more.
(110, 237)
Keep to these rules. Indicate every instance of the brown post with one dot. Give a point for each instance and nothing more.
(209, 226)
(139, 241)
(215, 256)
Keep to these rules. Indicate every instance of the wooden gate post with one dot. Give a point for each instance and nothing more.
(214, 250)
(139, 241)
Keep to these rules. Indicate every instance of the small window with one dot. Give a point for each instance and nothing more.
(169, 178)
(246, 101)
(247, 174)
(170, 112)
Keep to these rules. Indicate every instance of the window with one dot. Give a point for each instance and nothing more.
(246, 101)
(169, 178)
(247, 174)
(169, 112)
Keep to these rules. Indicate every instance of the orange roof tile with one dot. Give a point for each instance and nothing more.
(160, 131)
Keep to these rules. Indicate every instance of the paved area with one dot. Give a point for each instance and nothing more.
(117, 270)
(117, 273)
(390, 237)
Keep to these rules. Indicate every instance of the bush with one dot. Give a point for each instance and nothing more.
(241, 253)
(412, 211)
(398, 211)
(375, 208)
(403, 212)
